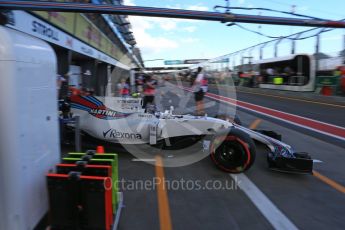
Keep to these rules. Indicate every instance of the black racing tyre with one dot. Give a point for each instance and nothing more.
(233, 151)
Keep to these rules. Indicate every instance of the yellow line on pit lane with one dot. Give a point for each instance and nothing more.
(162, 196)
(329, 181)
(255, 124)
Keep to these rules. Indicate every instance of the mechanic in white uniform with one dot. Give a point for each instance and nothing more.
(200, 87)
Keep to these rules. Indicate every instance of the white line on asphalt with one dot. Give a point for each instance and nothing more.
(144, 160)
(317, 161)
(273, 215)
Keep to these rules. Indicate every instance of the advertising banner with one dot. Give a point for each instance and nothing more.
(83, 29)
(79, 26)
(42, 14)
(63, 20)
(29, 24)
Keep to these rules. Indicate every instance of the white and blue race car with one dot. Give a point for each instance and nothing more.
(230, 145)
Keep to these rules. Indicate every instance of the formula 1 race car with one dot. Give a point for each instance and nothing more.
(231, 146)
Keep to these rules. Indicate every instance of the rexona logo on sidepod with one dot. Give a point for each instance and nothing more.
(113, 133)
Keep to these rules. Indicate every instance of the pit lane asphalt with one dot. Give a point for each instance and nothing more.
(329, 111)
(305, 200)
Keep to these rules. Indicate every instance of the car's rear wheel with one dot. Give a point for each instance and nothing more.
(233, 151)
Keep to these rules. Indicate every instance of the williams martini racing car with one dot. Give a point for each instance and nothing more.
(230, 145)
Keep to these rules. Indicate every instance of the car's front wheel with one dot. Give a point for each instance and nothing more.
(233, 151)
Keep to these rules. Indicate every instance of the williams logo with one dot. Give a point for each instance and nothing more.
(96, 108)
(113, 133)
